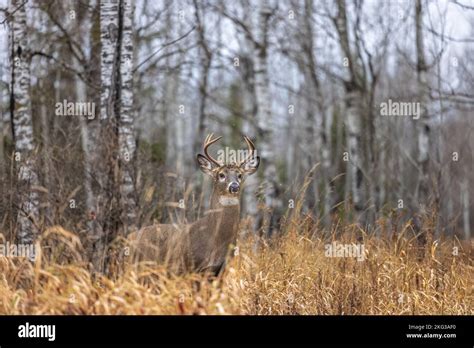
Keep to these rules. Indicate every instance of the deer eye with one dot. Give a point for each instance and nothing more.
(221, 176)
(239, 176)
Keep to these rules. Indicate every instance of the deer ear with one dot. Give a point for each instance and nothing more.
(251, 167)
(205, 165)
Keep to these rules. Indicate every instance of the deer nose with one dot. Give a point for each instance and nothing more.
(234, 187)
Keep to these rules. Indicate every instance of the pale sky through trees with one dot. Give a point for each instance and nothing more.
(459, 25)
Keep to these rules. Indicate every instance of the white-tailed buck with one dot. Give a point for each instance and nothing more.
(204, 245)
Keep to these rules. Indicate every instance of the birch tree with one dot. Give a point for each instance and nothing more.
(116, 118)
(205, 59)
(354, 89)
(323, 135)
(424, 127)
(109, 22)
(89, 128)
(20, 108)
(264, 113)
(246, 67)
(127, 143)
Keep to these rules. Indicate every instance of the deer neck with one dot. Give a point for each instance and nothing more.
(224, 215)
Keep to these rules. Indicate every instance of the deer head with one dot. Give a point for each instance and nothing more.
(228, 177)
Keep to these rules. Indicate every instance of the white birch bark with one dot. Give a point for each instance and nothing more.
(108, 38)
(353, 129)
(326, 164)
(264, 114)
(205, 57)
(127, 143)
(308, 144)
(424, 121)
(90, 158)
(354, 97)
(23, 125)
(116, 116)
(250, 202)
(382, 194)
(322, 135)
(87, 147)
(89, 128)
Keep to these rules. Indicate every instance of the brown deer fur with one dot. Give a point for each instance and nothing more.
(204, 245)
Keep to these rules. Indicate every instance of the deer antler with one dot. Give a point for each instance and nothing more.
(251, 147)
(208, 142)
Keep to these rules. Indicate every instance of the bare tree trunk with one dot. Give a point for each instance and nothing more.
(465, 209)
(311, 141)
(46, 153)
(264, 116)
(88, 141)
(382, 166)
(179, 122)
(355, 92)
(87, 147)
(424, 121)
(347, 180)
(322, 136)
(108, 39)
(127, 143)
(449, 216)
(312, 123)
(205, 57)
(326, 165)
(422, 193)
(206, 60)
(117, 123)
(91, 140)
(20, 108)
(353, 129)
(372, 165)
(247, 70)
(110, 103)
(109, 31)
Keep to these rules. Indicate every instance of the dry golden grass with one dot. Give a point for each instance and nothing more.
(288, 275)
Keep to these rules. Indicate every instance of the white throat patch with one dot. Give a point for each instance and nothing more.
(226, 200)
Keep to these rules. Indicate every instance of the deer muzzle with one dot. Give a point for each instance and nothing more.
(234, 187)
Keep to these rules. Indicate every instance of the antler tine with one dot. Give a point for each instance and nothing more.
(251, 147)
(250, 144)
(208, 142)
